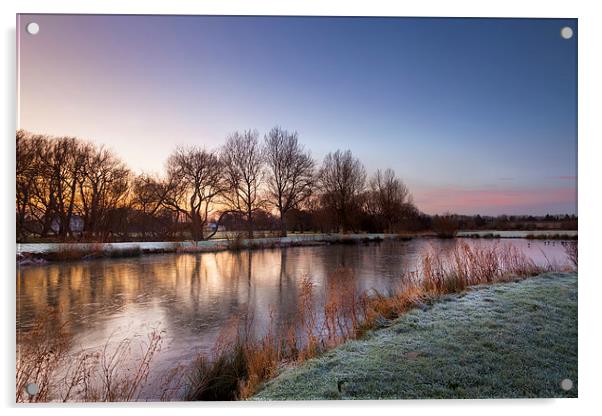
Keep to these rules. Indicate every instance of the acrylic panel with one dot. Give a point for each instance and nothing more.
(295, 208)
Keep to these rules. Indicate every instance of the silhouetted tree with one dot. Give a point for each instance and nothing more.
(242, 164)
(290, 172)
(388, 198)
(29, 151)
(64, 181)
(342, 178)
(104, 186)
(65, 164)
(149, 201)
(198, 180)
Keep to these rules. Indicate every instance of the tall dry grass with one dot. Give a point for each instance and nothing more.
(112, 373)
(92, 251)
(466, 265)
(571, 249)
(42, 351)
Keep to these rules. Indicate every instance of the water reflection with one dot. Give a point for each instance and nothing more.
(192, 296)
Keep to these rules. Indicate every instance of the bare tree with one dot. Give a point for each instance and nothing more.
(290, 172)
(61, 178)
(104, 186)
(41, 173)
(243, 168)
(389, 198)
(149, 201)
(148, 193)
(342, 179)
(29, 151)
(68, 164)
(60, 162)
(196, 178)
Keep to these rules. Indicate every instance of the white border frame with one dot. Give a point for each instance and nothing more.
(590, 68)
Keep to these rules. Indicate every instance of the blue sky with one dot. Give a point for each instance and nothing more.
(476, 115)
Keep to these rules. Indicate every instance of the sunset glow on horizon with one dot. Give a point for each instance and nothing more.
(477, 116)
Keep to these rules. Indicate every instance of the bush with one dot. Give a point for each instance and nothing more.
(445, 226)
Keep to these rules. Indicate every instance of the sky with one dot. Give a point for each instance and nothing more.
(477, 116)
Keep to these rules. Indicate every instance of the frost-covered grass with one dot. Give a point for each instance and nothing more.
(514, 339)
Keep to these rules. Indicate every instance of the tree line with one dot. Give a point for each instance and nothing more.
(68, 188)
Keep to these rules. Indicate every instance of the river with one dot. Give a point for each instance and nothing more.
(192, 296)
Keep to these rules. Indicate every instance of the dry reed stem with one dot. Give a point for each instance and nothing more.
(44, 358)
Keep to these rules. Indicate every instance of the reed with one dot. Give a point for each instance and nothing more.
(42, 350)
(68, 253)
(104, 375)
(466, 265)
(571, 249)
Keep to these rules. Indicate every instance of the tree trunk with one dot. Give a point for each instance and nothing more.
(283, 231)
(250, 224)
(197, 227)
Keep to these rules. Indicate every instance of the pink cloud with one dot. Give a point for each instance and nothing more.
(492, 201)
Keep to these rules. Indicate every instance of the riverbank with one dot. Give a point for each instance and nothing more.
(40, 253)
(507, 340)
(32, 253)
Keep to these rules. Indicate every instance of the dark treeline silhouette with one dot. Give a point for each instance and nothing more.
(68, 189)
(457, 222)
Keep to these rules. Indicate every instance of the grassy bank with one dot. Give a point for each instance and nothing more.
(515, 339)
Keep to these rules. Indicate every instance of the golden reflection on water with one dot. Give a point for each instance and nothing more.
(191, 281)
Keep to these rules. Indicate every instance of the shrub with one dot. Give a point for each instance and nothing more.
(445, 226)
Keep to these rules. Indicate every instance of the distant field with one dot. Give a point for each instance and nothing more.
(508, 340)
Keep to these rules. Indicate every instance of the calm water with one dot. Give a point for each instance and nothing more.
(191, 296)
